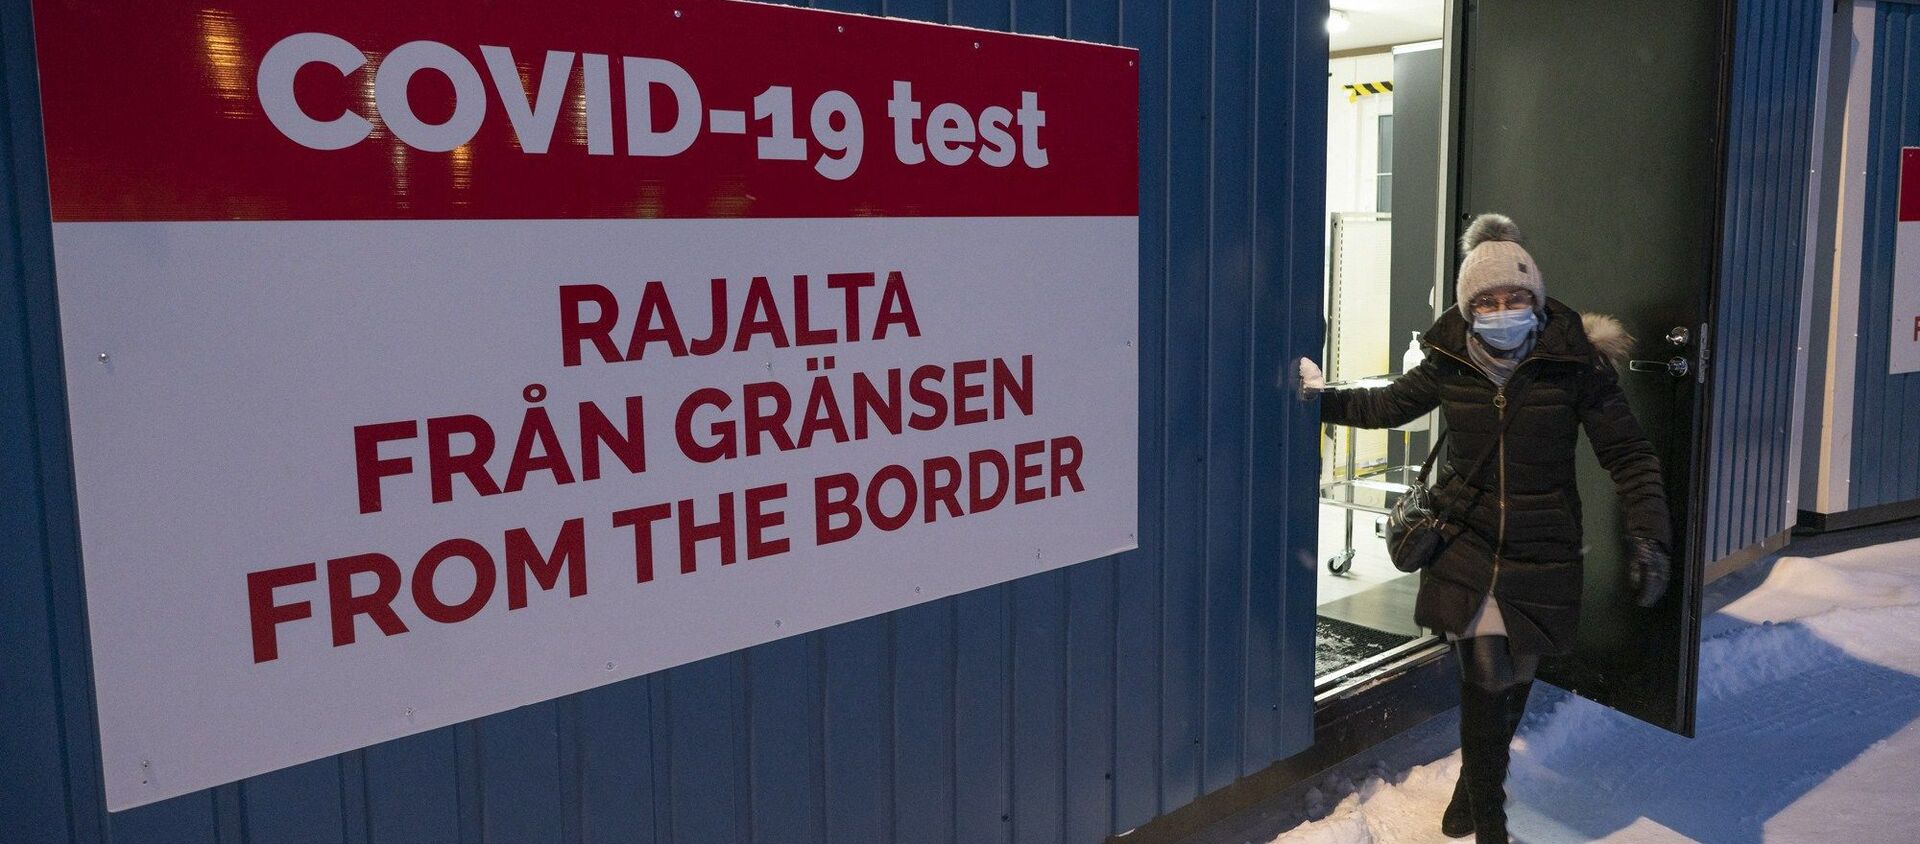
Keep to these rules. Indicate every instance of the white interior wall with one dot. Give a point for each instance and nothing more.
(1353, 150)
(1353, 131)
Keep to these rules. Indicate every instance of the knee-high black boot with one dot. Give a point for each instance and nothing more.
(1483, 754)
(1457, 821)
(1492, 700)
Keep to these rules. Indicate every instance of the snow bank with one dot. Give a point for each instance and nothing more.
(1798, 587)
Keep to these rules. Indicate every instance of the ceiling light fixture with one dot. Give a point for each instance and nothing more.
(1337, 22)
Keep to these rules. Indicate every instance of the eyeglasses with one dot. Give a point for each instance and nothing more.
(1487, 303)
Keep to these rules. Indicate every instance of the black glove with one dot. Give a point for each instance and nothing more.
(1647, 569)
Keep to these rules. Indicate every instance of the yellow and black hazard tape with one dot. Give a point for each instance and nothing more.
(1362, 89)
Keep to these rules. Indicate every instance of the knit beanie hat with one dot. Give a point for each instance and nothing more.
(1494, 258)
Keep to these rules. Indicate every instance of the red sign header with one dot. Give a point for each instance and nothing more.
(687, 109)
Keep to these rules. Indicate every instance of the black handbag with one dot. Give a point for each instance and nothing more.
(1415, 530)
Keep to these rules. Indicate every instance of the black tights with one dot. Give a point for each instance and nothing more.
(1485, 662)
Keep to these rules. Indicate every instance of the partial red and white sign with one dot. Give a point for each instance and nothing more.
(428, 361)
(1903, 346)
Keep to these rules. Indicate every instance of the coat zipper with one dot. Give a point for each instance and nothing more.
(1500, 406)
(1500, 544)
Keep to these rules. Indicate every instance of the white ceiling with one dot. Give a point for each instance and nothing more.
(1381, 23)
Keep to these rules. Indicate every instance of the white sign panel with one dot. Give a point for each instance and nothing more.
(380, 427)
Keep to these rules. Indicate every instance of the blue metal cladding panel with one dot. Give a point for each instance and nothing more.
(1757, 310)
(1886, 410)
(1062, 707)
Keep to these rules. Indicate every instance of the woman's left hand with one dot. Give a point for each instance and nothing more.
(1312, 380)
(1647, 569)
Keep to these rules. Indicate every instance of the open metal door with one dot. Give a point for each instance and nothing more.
(1597, 127)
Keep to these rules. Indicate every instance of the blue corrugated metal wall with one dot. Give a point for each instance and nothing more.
(1756, 318)
(1060, 707)
(1886, 408)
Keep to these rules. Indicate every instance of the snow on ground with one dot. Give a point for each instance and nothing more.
(1808, 731)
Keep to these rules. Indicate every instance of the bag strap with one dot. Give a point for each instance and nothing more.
(1432, 453)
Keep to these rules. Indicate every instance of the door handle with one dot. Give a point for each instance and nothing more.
(1675, 366)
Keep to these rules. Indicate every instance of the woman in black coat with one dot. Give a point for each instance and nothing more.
(1516, 375)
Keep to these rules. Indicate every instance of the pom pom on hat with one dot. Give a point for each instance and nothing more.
(1489, 227)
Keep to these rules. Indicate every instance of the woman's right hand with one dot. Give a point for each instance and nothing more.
(1312, 380)
(1647, 569)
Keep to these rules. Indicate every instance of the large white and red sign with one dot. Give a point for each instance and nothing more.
(1903, 344)
(426, 360)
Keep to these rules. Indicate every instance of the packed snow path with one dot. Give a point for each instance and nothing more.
(1808, 731)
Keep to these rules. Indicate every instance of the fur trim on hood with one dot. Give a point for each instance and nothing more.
(1608, 336)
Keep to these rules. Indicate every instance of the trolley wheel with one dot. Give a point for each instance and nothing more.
(1339, 563)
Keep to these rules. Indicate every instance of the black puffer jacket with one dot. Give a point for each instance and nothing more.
(1521, 536)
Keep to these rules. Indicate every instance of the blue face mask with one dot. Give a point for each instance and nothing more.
(1505, 330)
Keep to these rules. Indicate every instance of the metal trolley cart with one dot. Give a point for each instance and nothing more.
(1379, 491)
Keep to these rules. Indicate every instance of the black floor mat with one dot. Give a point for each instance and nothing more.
(1340, 644)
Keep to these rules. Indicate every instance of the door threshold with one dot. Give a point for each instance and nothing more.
(1380, 666)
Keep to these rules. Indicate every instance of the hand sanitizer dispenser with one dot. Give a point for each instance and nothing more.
(1408, 360)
